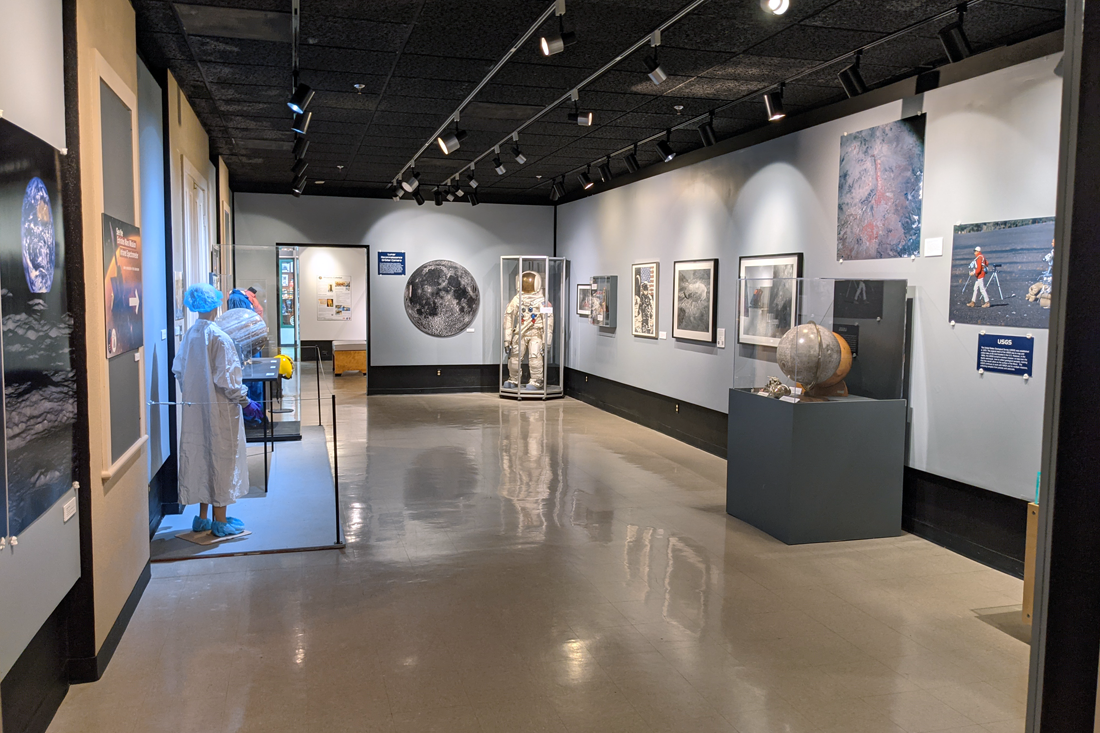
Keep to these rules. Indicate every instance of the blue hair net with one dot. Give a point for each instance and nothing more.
(202, 298)
(237, 299)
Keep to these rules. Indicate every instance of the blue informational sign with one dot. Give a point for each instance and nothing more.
(391, 263)
(1006, 354)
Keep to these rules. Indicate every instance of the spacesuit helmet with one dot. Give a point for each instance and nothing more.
(529, 282)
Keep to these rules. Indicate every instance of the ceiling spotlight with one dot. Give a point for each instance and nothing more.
(451, 141)
(773, 101)
(418, 197)
(664, 147)
(412, 182)
(498, 166)
(555, 43)
(473, 198)
(300, 99)
(706, 132)
(585, 179)
(395, 192)
(301, 145)
(297, 192)
(955, 43)
(457, 190)
(557, 190)
(604, 170)
(518, 155)
(584, 119)
(471, 179)
(851, 79)
(300, 182)
(438, 196)
(300, 124)
(631, 160)
(450, 194)
(776, 7)
(299, 168)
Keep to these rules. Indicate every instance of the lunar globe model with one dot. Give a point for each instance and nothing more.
(809, 354)
(39, 244)
(441, 298)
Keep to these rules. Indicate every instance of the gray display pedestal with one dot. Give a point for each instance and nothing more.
(816, 471)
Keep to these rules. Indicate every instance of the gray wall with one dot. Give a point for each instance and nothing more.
(317, 262)
(474, 237)
(992, 154)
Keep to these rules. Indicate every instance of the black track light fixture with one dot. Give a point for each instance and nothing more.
(557, 190)
(451, 141)
(395, 192)
(411, 183)
(652, 65)
(300, 182)
(300, 123)
(437, 194)
(299, 168)
(418, 197)
(586, 179)
(851, 78)
(554, 43)
(471, 179)
(584, 119)
(300, 99)
(301, 145)
(953, 37)
(664, 148)
(604, 170)
(473, 198)
(706, 132)
(459, 193)
(297, 192)
(518, 154)
(773, 102)
(498, 166)
(631, 160)
(450, 194)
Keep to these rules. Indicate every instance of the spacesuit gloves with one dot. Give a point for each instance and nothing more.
(253, 411)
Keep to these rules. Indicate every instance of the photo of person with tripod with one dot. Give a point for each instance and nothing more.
(978, 269)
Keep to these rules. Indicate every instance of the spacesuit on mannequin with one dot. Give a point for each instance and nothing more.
(528, 324)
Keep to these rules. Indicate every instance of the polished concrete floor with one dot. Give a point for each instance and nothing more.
(549, 567)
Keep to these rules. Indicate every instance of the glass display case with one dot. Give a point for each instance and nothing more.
(603, 300)
(533, 297)
(821, 339)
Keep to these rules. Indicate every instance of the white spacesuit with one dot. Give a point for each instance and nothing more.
(528, 324)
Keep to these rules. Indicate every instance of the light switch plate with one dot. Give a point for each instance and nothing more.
(70, 509)
(662, 335)
(163, 334)
(721, 338)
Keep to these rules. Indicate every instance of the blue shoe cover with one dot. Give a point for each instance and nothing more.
(201, 525)
(234, 521)
(225, 529)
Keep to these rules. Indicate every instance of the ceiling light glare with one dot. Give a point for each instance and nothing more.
(586, 180)
(775, 7)
(301, 145)
(473, 198)
(299, 168)
(438, 196)
(656, 72)
(300, 99)
(706, 133)
(411, 183)
(604, 169)
(518, 154)
(631, 160)
(471, 179)
(852, 80)
(554, 43)
(418, 197)
(498, 166)
(773, 101)
(955, 43)
(300, 123)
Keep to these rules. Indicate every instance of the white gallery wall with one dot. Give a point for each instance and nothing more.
(991, 154)
(318, 262)
(474, 237)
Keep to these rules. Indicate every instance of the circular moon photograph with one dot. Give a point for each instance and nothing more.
(39, 244)
(441, 298)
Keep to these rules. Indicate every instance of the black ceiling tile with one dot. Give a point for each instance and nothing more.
(879, 16)
(359, 102)
(172, 46)
(410, 86)
(718, 89)
(253, 109)
(368, 35)
(909, 51)
(343, 82)
(331, 127)
(249, 93)
(157, 16)
(216, 73)
(443, 68)
(337, 114)
(240, 51)
(481, 30)
(1058, 6)
(255, 134)
(324, 58)
(992, 23)
(808, 42)
(391, 11)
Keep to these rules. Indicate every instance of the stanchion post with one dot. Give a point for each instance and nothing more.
(336, 469)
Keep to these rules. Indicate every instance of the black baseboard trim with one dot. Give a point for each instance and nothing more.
(422, 379)
(695, 425)
(90, 669)
(34, 688)
(982, 525)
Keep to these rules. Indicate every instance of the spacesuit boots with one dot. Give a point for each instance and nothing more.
(529, 344)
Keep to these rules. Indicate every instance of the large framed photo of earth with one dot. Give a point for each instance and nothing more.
(39, 401)
(644, 303)
(1002, 273)
(767, 304)
(695, 300)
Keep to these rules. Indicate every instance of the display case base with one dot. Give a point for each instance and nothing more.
(519, 393)
(816, 471)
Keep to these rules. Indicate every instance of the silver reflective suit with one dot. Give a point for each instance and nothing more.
(528, 325)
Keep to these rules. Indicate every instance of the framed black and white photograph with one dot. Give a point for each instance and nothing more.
(767, 298)
(644, 299)
(695, 300)
(584, 299)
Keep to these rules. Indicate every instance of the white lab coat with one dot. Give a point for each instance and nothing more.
(213, 465)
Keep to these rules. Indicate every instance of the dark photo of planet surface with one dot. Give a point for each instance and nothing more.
(441, 298)
(39, 244)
